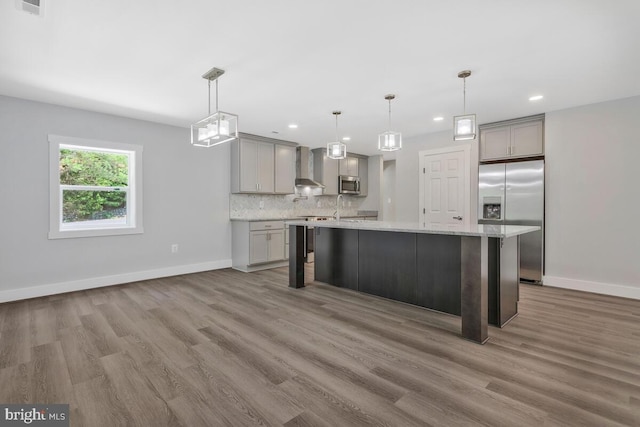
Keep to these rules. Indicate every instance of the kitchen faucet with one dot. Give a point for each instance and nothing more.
(337, 214)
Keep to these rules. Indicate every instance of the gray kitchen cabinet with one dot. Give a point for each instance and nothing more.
(266, 167)
(513, 139)
(258, 245)
(253, 166)
(325, 171)
(266, 246)
(527, 139)
(363, 170)
(495, 142)
(262, 165)
(275, 245)
(285, 169)
(348, 166)
(286, 243)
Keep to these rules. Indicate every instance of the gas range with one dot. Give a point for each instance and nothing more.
(314, 218)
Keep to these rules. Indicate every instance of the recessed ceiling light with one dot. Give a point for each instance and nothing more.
(536, 98)
(293, 126)
(346, 138)
(438, 119)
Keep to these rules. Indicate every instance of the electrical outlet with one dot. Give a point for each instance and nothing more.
(174, 248)
(349, 203)
(261, 204)
(318, 204)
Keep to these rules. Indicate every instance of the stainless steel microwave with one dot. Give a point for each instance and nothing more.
(349, 185)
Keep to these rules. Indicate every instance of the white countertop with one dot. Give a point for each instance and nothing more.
(294, 218)
(500, 231)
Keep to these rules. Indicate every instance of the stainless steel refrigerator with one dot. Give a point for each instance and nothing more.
(513, 194)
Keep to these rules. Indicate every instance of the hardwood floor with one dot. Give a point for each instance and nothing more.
(230, 348)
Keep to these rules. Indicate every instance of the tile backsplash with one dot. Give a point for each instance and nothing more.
(258, 206)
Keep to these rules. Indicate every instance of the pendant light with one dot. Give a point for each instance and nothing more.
(464, 127)
(216, 128)
(389, 140)
(336, 150)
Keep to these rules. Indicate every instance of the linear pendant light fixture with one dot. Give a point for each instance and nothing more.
(216, 128)
(336, 150)
(464, 127)
(389, 140)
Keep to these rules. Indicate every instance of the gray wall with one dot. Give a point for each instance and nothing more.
(389, 191)
(374, 181)
(185, 202)
(593, 197)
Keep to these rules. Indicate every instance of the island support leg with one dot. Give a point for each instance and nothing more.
(296, 256)
(474, 288)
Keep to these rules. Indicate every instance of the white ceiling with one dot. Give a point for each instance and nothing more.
(295, 61)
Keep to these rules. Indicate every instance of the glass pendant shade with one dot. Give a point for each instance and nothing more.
(464, 127)
(390, 141)
(218, 128)
(336, 150)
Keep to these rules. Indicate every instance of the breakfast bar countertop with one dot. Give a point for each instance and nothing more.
(496, 231)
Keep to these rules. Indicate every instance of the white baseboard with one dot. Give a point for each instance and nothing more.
(99, 282)
(595, 287)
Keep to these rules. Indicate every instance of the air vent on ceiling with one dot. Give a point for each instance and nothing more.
(33, 7)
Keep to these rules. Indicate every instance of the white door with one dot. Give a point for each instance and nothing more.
(444, 183)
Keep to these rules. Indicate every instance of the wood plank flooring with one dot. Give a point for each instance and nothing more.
(235, 349)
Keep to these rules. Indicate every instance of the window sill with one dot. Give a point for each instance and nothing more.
(72, 234)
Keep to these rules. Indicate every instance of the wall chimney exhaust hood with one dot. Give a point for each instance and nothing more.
(302, 169)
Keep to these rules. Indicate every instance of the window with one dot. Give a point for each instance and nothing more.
(95, 188)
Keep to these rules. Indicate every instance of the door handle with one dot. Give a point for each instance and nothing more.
(459, 218)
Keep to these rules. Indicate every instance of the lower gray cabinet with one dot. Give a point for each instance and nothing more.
(266, 246)
(258, 245)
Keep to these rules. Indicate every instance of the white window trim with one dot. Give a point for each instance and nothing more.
(134, 189)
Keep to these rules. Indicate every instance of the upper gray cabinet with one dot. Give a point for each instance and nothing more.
(349, 166)
(285, 172)
(325, 171)
(512, 139)
(260, 165)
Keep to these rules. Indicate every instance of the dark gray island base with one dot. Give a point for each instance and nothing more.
(470, 272)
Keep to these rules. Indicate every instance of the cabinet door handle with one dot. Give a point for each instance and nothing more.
(459, 218)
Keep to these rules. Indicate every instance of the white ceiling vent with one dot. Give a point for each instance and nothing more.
(33, 7)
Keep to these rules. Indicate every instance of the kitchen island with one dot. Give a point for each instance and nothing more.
(471, 271)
